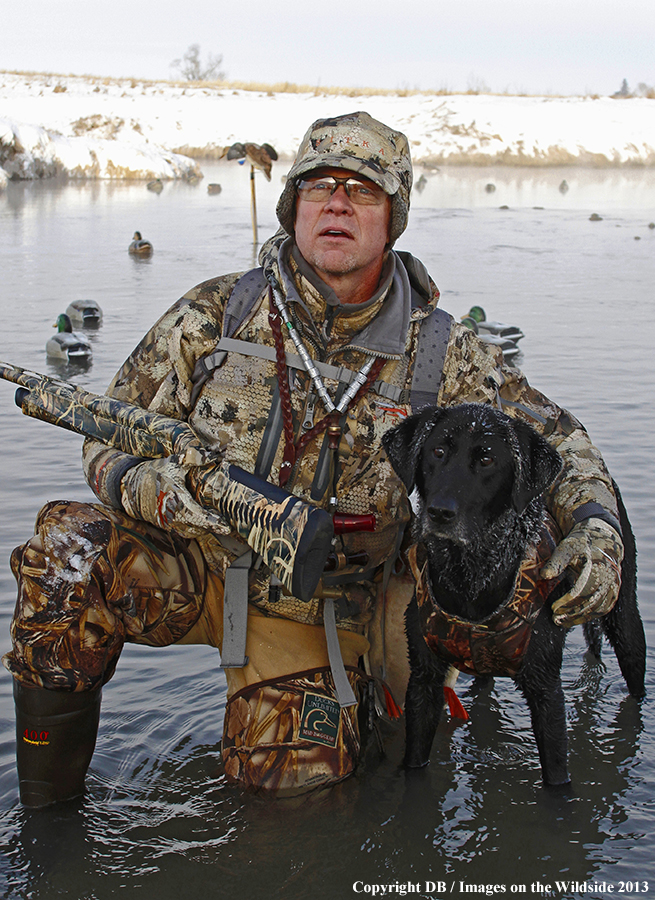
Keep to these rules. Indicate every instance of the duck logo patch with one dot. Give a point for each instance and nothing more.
(319, 720)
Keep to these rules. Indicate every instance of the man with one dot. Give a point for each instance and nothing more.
(293, 372)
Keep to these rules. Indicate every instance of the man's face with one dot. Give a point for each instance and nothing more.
(339, 238)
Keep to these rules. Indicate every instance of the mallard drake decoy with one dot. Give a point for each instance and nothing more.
(139, 247)
(67, 344)
(510, 332)
(84, 312)
(508, 347)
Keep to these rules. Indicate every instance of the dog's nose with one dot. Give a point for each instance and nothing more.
(442, 513)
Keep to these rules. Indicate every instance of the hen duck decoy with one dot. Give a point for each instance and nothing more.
(84, 312)
(140, 247)
(67, 344)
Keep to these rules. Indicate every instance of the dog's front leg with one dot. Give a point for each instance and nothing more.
(424, 697)
(539, 680)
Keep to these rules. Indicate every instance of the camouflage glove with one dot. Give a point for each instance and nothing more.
(155, 491)
(593, 552)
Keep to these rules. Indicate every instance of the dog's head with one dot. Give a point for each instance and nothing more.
(470, 465)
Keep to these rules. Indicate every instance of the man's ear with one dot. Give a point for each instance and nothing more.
(537, 465)
(404, 444)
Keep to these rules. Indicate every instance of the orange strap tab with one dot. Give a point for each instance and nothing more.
(393, 710)
(454, 706)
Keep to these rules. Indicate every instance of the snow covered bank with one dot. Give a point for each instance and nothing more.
(108, 128)
(30, 151)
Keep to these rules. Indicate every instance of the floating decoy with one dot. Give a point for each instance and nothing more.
(214, 188)
(421, 183)
(139, 247)
(67, 344)
(156, 186)
(509, 332)
(594, 217)
(84, 312)
(509, 348)
(490, 188)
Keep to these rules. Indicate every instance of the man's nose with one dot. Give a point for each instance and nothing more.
(339, 201)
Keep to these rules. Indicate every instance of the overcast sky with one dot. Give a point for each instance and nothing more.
(533, 46)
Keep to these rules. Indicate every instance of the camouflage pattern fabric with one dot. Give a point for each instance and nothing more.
(290, 736)
(232, 409)
(360, 144)
(71, 622)
(94, 579)
(497, 644)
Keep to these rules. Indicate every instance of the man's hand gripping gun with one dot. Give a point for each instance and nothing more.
(293, 538)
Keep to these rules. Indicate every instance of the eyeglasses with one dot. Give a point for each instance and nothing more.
(319, 190)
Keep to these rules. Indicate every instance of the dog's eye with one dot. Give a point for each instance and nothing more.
(439, 452)
(486, 460)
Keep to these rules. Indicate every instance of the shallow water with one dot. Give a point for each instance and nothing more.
(158, 821)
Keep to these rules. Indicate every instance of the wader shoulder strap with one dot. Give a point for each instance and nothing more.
(235, 597)
(431, 350)
(242, 299)
(239, 304)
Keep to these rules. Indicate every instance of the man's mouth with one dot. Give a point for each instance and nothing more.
(335, 232)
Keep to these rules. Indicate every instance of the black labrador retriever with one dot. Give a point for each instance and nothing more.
(480, 536)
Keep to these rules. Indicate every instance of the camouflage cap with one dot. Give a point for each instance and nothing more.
(361, 144)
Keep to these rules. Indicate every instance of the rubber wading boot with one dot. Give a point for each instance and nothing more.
(55, 738)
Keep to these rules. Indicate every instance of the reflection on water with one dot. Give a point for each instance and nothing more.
(158, 818)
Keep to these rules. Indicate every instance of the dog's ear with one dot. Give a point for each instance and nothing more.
(403, 448)
(537, 465)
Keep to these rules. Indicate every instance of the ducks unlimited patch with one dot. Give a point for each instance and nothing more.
(319, 719)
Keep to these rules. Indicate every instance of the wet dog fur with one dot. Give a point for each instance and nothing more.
(478, 478)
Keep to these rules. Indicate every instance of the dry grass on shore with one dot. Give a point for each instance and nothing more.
(285, 87)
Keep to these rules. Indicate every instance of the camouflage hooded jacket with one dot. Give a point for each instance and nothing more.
(231, 411)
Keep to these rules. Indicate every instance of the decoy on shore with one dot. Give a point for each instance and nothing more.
(86, 313)
(140, 247)
(67, 344)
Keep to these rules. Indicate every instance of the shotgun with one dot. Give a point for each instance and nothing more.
(293, 538)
